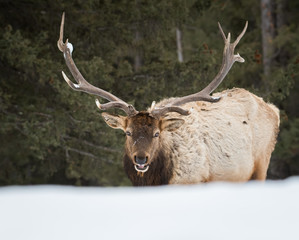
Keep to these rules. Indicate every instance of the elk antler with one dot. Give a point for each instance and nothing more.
(204, 95)
(83, 85)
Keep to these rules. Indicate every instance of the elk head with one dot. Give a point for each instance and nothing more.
(143, 132)
(144, 129)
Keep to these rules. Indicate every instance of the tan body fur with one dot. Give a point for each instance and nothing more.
(231, 140)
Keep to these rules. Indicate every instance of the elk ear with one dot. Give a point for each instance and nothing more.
(115, 121)
(171, 124)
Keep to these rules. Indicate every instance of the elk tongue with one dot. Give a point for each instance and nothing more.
(141, 168)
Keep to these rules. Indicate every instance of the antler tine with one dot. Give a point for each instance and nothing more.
(83, 85)
(221, 31)
(129, 109)
(228, 59)
(241, 34)
(60, 43)
(159, 112)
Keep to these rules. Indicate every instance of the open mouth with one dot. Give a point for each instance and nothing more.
(141, 167)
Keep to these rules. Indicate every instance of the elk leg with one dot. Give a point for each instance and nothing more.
(260, 170)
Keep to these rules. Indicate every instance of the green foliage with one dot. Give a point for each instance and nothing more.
(51, 134)
(289, 137)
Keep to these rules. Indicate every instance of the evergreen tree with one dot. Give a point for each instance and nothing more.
(51, 134)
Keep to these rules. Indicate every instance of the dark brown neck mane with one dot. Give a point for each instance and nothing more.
(159, 172)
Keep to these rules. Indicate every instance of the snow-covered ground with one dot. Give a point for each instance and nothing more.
(210, 211)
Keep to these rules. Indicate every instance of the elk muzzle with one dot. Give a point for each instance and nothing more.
(141, 162)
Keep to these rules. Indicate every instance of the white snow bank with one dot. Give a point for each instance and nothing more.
(211, 211)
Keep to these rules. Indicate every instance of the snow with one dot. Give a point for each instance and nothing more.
(210, 211)
(70, 47)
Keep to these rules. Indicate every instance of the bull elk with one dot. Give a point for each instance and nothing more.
(192, 139)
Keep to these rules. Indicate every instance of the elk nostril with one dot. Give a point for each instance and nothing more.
(142, 160)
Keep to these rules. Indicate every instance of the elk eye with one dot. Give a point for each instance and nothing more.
(157, 134)
(128, 133)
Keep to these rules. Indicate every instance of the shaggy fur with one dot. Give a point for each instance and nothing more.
(230, 140)
(159, 173)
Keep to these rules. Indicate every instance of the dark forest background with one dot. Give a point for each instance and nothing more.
(50, 134)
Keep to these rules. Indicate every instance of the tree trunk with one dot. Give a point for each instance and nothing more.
(137, 60)
(179, 44)
(280, 23)
(268, 33)
(281, 13)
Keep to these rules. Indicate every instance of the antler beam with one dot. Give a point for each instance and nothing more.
(83, 85)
